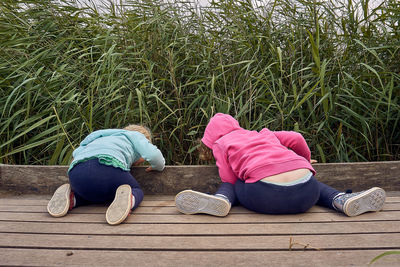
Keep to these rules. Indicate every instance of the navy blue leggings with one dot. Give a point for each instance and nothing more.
(93, 182)
(275, 199)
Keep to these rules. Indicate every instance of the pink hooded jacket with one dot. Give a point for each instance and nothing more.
(251, 155)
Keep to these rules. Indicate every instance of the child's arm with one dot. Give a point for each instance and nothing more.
(225, 171)
(147, 151)
(295, 141)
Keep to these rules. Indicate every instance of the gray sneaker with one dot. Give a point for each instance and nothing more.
(354, 204)
(120, 208)
(192, 202)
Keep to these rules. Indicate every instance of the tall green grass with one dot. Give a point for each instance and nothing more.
(328, 69)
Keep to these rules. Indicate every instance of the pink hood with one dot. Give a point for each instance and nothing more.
(220, 124)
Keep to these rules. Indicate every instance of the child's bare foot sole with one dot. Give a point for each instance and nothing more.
(369, 200)
(120, 208)
(192, 202)
(59, 204)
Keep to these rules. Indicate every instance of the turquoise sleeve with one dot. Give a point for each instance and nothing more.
(146, 150)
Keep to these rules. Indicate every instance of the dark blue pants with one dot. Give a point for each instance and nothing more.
(93, 182)
(275, 199)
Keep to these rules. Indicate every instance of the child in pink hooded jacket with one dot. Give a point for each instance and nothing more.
(267, 172)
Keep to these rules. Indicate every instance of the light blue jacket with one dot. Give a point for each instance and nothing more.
(119, 148)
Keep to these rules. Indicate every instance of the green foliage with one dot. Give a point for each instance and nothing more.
(387, 253)
(328, 69)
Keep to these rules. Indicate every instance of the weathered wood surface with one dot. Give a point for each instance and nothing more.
(68, 257)
(156, 234)
(357, 176)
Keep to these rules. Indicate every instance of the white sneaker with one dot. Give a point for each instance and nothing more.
(192, 202)
(121, 207)
(59, 204)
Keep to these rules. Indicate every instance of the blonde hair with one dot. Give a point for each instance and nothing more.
(205, 153)
(141, 129)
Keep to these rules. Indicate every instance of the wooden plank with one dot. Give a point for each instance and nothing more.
(57, 257)
(185, 243)
(156, 231)
(311, 228)
(358, 176)
(151, 208)
(171, 197)
(43, 202)
(201, 218)
(146, 202)
(93, 209)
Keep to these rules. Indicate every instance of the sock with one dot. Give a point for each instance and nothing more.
(72, 201)
(133, 202)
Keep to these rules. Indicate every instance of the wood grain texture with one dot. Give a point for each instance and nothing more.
(71, 257)
(357, 176)
(157, 235)
(207, 229)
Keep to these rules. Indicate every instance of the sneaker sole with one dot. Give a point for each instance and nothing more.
(192, 202)
(58, 205)
(120, 208)
(370, 200)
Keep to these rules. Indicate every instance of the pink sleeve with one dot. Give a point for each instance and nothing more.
(295, 142)
(225, 171)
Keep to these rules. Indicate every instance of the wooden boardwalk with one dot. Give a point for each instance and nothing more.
(156, 234)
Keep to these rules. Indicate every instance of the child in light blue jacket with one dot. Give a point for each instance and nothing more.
(100, 172)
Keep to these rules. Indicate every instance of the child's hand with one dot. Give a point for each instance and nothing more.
(139, 161)
(313, 161)
(149, 169)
